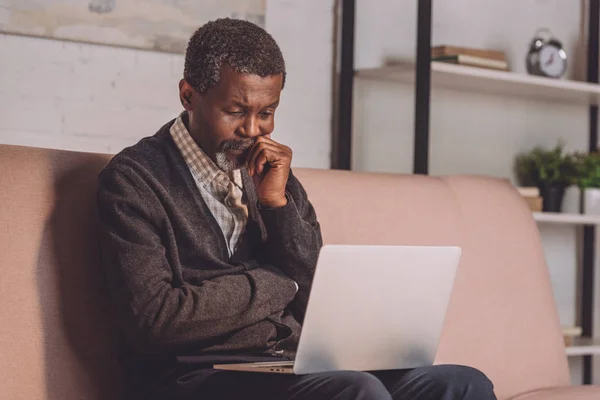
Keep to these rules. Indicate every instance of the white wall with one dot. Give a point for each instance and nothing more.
(83, 97)
(304, 31)
(94, 98)
(472, 133)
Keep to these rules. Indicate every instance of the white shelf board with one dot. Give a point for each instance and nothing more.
(490, 81)
(583, 347)
(563, 218)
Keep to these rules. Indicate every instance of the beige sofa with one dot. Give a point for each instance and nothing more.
(57, 342)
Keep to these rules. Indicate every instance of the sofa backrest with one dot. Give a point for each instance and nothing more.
(57, 342)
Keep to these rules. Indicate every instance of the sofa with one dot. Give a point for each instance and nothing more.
(58, 342)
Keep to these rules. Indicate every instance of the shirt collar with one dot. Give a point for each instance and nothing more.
(199, 163)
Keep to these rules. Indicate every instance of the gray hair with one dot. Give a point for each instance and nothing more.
(243, 46)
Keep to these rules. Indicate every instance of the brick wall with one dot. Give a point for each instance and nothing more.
(84, 97)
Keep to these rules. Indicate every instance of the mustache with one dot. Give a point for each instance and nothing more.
(237, 144)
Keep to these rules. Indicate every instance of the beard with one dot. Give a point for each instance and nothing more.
(227, 163)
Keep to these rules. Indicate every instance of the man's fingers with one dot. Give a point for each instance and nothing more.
(272, 151)
(261, 161)
(251, 157)
(264, 155)
(256, 151)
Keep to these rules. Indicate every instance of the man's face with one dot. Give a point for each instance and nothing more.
(227, 119)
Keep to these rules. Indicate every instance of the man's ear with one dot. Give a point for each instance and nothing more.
(186, 94)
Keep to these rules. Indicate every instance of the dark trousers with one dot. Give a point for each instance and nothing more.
(442, 382)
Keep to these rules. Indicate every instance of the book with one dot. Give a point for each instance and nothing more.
(531, 195)
(529, 191)
(535, 203)
(441, 51)
(570, 333)
(473, 61)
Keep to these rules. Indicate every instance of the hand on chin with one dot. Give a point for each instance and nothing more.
(269, 165)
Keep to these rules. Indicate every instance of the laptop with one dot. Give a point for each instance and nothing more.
(371, 308)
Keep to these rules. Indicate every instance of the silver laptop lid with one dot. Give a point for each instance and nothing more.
(376, 307)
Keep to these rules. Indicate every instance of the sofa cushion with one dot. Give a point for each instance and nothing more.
(55, 337)
(502, 317)
(572, 393)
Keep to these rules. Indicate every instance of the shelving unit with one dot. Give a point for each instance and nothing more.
(583, 347)
(560, 218)
(425, 74)
(488, 81)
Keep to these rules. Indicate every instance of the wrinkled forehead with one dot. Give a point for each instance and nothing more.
(248, 89)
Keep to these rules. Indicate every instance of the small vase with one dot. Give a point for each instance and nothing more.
(553, 198)
(591, 201)
(572, 200)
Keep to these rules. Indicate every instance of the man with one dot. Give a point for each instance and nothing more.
(209, 243)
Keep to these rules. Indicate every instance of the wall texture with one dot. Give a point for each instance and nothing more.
(100, 99)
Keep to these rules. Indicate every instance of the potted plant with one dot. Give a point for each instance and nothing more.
(588, 180)
(552, 171)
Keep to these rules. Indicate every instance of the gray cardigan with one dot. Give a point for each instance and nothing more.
(177, 294)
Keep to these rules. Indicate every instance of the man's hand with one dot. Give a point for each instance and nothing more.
(269, 164)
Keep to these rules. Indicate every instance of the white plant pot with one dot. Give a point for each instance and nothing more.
(572, 200)
(591, 201)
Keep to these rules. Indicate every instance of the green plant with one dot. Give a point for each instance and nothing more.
(545, 168)
(588, 170)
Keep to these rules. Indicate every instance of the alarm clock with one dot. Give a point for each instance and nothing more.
(546, 56)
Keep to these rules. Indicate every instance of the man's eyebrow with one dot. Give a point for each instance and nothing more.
(242, 104)
(239, 103)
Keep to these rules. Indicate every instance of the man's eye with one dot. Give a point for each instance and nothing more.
(266, 114)
(236, 112)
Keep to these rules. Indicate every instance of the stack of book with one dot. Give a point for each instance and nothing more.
(532, 197)
(570, 333)
(472, 57)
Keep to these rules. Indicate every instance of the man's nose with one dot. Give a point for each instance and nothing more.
(250, 127)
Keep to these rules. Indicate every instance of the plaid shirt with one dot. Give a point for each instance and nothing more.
(223, 195)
